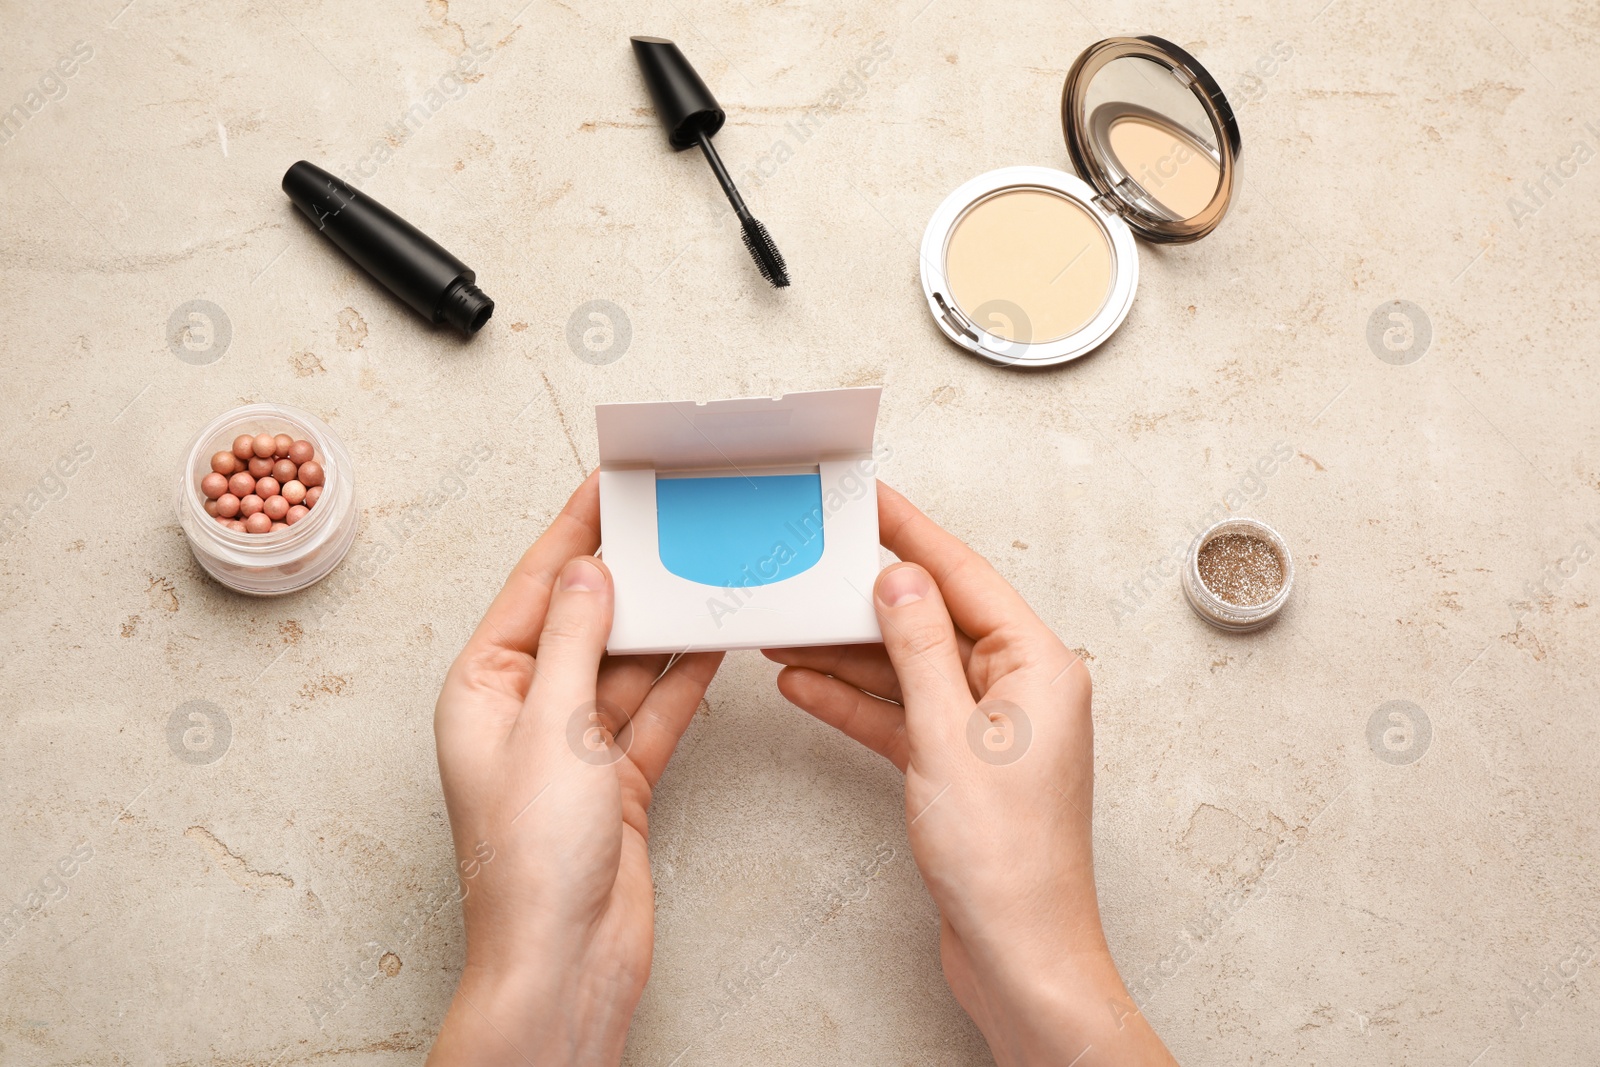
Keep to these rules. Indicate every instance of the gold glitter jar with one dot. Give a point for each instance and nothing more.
(1238, 574)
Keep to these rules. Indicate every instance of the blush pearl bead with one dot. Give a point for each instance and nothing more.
(264, 482)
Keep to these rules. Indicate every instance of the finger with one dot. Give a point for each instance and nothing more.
(571, 645)
(877, 724)
(921, 642)
(667, 710)
(516, 616)
(625, 680)
(978, 599)
(866, 667)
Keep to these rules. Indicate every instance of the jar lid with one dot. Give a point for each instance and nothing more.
(1151, 130)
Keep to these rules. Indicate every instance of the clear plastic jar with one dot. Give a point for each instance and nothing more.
(1222, 613)
(283, 561)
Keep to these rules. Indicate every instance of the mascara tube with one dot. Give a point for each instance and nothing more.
(409, 263)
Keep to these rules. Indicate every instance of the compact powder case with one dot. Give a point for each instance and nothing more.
(1032, 266)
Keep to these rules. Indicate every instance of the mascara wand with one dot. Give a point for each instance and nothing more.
(692, 116)
(756, 237)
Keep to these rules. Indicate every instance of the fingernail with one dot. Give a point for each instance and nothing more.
(902, 586)
(581, 576)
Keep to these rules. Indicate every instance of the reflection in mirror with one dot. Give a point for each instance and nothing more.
(1145, 126)
(1175, 171)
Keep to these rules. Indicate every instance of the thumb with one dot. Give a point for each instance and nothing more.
(921, 642)
(572, 642)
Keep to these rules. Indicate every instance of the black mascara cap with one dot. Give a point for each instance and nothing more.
(682, 100)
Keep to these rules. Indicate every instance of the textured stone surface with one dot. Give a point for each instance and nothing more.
(1361, 909)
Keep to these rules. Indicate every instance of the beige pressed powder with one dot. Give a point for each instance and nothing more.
(1169, 166)
(1029, 265)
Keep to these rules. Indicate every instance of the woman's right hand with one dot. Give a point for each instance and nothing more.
(987, 713)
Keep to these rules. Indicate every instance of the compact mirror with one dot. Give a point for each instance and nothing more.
(1030, 266)
(1149, 128)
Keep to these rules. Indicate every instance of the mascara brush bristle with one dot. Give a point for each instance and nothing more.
(765, 253)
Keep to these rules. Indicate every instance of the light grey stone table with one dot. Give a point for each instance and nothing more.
(1289, 876)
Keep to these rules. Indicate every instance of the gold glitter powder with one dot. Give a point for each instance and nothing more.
(1241, 569)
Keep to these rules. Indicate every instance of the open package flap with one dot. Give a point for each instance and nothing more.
(749, 523)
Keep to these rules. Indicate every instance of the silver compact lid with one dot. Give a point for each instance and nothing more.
(1151, 130)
